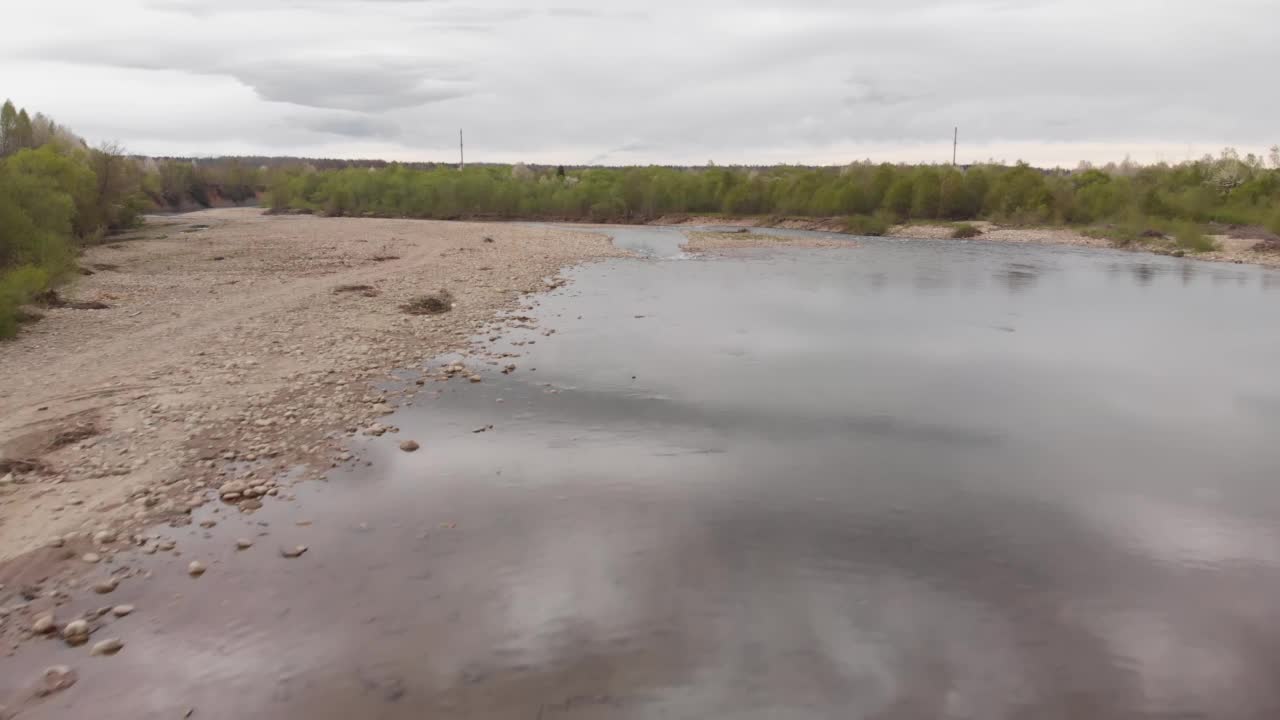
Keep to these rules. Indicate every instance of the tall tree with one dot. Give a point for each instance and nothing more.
(8, 127)
(24, 134)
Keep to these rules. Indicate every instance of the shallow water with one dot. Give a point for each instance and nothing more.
(903, 480)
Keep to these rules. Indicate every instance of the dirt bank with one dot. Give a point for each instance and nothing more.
(713, 241)
(235, 346)
(1230, 249)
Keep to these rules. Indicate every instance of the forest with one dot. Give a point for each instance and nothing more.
(58, 194)
(1227, 189)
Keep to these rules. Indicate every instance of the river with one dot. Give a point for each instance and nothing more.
(907, 479)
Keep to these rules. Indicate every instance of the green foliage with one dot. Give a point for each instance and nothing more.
(965, 230)
(18, 286)
(1274, 223)
(871, 225)
(1211, 190)
(55, 193)
(1189, 237)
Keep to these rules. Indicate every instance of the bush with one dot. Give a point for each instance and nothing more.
(873, 226)
(17, 287)
(1189, 237)
(1274, 224)
(965, 230)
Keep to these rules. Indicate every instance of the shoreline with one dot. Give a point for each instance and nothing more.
(1230, 250)
(245, 351)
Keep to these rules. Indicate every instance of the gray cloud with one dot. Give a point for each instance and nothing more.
(367, 85)
(549, 80)
(346, 125)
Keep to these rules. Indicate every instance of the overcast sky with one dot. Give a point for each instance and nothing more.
(739, 81)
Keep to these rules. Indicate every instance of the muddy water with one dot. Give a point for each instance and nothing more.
(906, 480)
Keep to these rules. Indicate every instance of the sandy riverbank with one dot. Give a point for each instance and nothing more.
(1230, 249)
(234, 351)
(717, 241)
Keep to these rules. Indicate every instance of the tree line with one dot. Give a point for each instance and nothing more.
(1226, 189)
(57, 194)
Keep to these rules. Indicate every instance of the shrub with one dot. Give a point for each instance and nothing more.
(965, 230)
(1189, 237)
(873, 226)
(1274, 224)
(17, 287)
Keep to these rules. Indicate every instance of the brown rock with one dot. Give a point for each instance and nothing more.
(110, 646)
(54, 679)
(409, 446)
(106, 586)
(76, 632)
(44, 624)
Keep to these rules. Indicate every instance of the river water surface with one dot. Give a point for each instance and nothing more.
(903, 480)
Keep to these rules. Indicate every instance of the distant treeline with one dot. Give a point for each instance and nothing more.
(57, 193)
(1226, 189)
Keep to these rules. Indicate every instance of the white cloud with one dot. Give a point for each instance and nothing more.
(1050, 81)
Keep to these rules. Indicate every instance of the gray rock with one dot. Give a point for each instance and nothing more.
(195, 568)
(122, 610)
(244, 544)
(91, 558)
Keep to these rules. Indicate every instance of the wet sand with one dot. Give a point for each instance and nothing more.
(880, 481)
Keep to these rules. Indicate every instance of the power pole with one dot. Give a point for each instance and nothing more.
(462, 162)
(955, 142)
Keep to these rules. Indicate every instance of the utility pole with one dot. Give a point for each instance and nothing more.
(462, 162)
(955, 142)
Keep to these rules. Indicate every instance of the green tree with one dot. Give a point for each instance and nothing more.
(8, 128)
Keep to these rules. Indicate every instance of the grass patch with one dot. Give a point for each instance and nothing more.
(868, 225)
(17, 288)
(1188, 236)
(433, 304)
(965, 230)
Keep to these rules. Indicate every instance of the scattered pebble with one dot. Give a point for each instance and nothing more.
(106, 586)
(44, 624)
(110, 646)
(409, 446)
(195, 569)
(293, 552)
(91, 558)
(76, 632)
(243, 543)
(122, 610)
(55, 678)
